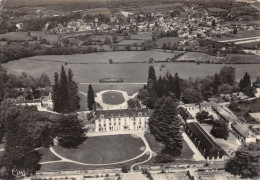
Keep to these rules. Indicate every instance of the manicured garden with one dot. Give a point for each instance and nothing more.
(104, 149)
(113, 98)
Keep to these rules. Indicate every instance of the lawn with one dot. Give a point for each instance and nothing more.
(142, 36)
(49, 37)
(47, 155)
(72, 166)
(241, 34)
(130, 42)
(104, 149)
(167, 40)
(158, 147)
(113, 98)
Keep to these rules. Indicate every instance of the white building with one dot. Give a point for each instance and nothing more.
(119, 120)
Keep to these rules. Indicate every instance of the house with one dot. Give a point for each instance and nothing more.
(208, 148)
(23, 102)
(47, 102)
(256, 116)
(119, 120)
(242, 132)
(19, 26)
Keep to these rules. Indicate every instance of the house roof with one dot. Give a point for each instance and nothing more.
(242, 129)
(255, 116)
(122, 112)
(212, 149)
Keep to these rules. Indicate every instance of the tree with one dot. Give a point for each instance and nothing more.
(69, 131)
(125, 168)
(216, 83)
(151, 73)
(225, 89)
(64, 94)
(91, 98)
(56, 94)
(220, 130)
(115, 38)
(245, 82)
(73, 102)
(245, 162)
(176, 86)
(165, 124)
(227, 75)
(131, 103)
(204, 116)
(107, 41)
(191, 96)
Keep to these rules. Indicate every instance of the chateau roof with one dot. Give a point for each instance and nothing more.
(122, 112)
(242, 129)
(212, 149)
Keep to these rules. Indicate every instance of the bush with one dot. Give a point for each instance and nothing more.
(164, 158)
(220, 130)
(125, 168)
(234, 106)
(136, 167)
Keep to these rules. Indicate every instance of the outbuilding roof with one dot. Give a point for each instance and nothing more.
(212, 149)
(242, 129)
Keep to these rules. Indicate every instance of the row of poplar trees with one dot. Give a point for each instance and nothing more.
(65, 92)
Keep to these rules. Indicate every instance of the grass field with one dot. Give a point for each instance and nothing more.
(196, 56)
(130, 42)
(105, 149)
(142, 36)
(131, 73)
(113, 98)
(241, 34)
(239, 58)
(16, 36)
(167, 40)
(49, 37)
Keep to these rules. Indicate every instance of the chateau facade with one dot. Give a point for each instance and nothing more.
(120, 120)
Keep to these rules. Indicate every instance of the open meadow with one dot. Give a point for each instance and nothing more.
(130, 72)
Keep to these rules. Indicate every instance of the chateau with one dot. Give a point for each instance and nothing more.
(119, 120)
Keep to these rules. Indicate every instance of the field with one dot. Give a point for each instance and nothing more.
(104, 149)
(234, 58)
(196, 56)
(240, 35)
(113, 98)
(16, 36)
(167, 40)
(142, 36)
(130, 42)
(131, 73)
(49, 37)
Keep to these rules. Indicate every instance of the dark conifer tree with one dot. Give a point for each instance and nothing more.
(56, 93)
(73, 102)
(177, 86)
(151, 74)
(64, 91)
(216, 83)
(245, 82)
(91, 98)
(165, 124)
(159, 87)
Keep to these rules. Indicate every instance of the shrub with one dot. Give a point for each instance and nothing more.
(164, 158)
(125, 168)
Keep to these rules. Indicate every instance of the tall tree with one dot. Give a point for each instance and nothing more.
(64, 94)
(56, 98)
(69, 131)
(220, 130)
(73, 102)
(165, 124)
(91, 98)
(245, 82)
(177, 86)
(216, 83)
(151, 73)
(245, 162)
(44, 80)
